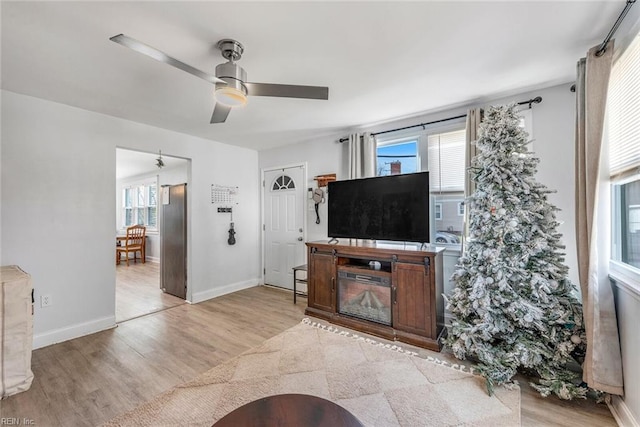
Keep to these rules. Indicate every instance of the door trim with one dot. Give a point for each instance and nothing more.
(189, 180)
(304, 167)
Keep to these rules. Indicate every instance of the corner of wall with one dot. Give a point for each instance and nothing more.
(227, 289)
(621, 412)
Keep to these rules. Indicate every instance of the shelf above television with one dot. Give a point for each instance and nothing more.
(324, 180)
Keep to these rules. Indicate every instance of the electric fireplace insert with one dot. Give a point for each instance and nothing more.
(365, 294)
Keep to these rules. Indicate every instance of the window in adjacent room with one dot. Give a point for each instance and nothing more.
(623, 123)
(139, 204)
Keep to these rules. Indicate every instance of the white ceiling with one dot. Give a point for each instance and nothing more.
(380, 60)
(131, 163)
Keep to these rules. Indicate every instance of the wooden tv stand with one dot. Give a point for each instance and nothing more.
(414, 273)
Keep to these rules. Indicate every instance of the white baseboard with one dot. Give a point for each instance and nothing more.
(213, 293)
(73, 331)
(154, 259)
(621, 412)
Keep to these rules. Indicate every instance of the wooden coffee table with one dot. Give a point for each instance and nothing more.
(294, 410)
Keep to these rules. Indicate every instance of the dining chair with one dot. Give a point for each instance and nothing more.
(133, 243)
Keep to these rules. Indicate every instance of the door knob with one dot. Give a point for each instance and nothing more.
(300, 239)
(300, 230)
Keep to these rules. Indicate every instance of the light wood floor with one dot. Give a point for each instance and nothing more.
(138, 291)
(87, 381)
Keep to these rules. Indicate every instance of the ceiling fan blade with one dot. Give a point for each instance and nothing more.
(287, 91)
(220, 113)
(163, 57)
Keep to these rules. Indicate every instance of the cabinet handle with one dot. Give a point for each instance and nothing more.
(394, 291)
(333, 284)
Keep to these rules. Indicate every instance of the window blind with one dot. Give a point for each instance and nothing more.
(623, 113)
(446, 161)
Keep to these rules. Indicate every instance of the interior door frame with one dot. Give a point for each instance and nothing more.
(189, 292)
(303, 202)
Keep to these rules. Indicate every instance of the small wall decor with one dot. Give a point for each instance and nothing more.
(224, 194)
(323, 180)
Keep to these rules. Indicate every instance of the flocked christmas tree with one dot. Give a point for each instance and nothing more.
(513, 305)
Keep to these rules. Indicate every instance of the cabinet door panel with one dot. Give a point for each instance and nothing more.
(322, 281)
(412, 310)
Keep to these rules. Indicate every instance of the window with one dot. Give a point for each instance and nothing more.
(446, 162)
(438, 211)
(446, 179)
(139, 205)
(623, 124)
(633, 213)
(283, 182)
(626, 221)
(441, 151)
(396, 157)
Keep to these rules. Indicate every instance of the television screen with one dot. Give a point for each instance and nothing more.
(394, 207)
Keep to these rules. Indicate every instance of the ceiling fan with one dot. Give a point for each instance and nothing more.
(231, 86)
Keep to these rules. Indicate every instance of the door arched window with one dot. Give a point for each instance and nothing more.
(283, 182)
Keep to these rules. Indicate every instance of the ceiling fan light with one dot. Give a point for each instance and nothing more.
(230, 96)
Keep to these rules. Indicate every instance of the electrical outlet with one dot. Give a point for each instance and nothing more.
(45, 300)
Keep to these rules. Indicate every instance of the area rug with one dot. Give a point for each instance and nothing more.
(381, 384)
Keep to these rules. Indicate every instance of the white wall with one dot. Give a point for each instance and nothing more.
(553, 122)
(58, 188)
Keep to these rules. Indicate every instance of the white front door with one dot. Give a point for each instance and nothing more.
(283, 224)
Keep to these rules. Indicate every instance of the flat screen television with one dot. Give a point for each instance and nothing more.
(394, 207)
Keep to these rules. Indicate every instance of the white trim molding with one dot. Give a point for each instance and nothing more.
(73, 331)
(217, 292)
(621, 412)
(627, 278)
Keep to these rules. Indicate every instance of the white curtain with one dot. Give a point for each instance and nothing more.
(362, 155)
(602, 367)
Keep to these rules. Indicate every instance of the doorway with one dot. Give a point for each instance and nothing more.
(139, 183)
(283, 193)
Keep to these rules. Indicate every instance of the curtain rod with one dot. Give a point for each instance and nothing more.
(603, 46)
(536, 100)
